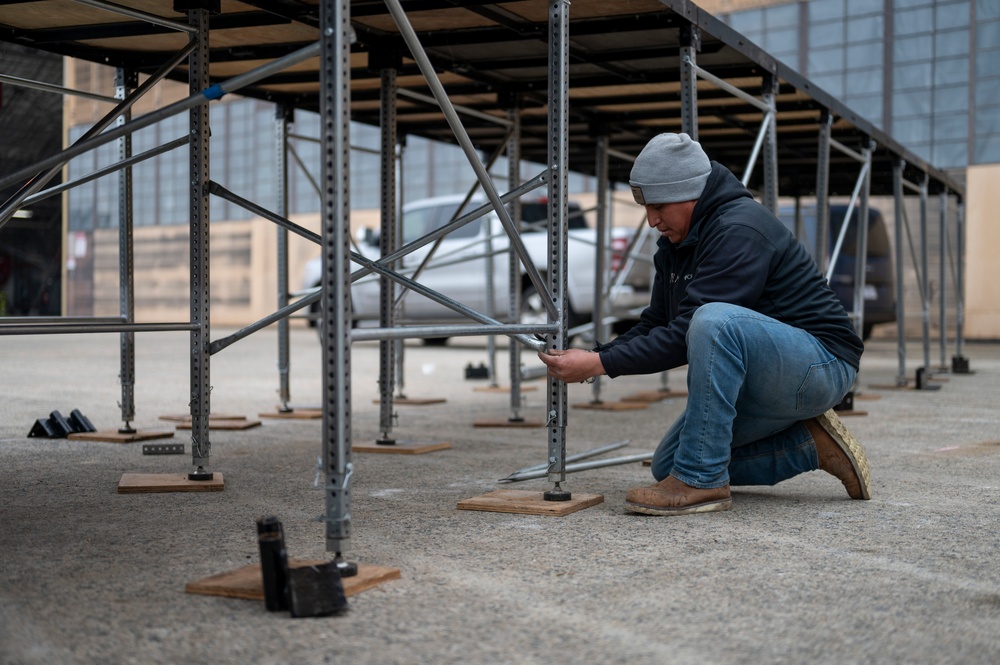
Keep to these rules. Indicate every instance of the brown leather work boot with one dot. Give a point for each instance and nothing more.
(670, 496)
(840, 454)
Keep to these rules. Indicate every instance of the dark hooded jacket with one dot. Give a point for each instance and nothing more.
(735, 252)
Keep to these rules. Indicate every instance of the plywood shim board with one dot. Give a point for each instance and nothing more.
(654, 395)
(528, 502)
(401, 447)
(415, 401)
(612, 406)
(851, 412)
(151, 483)
(224, 423)
(248, 582)
(507, 422)
(114, 436)
(181, 417)
(294, 414)
(502, 389)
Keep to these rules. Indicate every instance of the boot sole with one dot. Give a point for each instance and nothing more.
(707, 507)
(833, 426)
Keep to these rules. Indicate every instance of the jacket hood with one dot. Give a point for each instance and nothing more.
(722, 188)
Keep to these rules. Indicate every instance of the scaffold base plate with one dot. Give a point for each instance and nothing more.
(401, 447)
(654, 395)
(248, 583)
(149, 483)
(114, 436)
(527, 502)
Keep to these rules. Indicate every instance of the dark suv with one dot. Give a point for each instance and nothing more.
(880, 287)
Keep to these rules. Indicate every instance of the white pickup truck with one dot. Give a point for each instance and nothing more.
(458, 267)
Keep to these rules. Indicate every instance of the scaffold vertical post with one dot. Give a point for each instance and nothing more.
(387, 245)
(282, 116)
(861, 242)
(201, 384)
(690, 44)
(770, 90)
(600, 260)
(897, 189)
(335, 54)
(125, 83)
(822, 239)
(959, 363)
(925, 308)
(513, 264)
(558, 149)
(943, 278)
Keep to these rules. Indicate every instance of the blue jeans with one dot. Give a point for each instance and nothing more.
(752, 381)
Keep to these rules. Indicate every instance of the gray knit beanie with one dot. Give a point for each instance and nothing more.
(671, 168)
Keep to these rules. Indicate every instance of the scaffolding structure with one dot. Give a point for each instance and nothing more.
(575, 87)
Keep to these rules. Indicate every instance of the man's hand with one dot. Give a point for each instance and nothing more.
(572, 365)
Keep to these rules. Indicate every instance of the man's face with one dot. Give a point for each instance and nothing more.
(672, 220)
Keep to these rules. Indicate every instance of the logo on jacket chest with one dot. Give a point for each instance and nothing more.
(677, 277)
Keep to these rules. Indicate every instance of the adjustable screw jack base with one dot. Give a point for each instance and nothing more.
(385, 441)
(960, 365)
(126, 429)
(557, 493)
(344, 567)
(201, 474)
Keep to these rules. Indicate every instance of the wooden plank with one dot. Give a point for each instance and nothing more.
(294, 414)
(654, 395)
(528, 502)
(415, 401)
(502, 389)
(612, 406)
(114, 436)
(401, 447)
(507, 422)
(149, 483)
(181, 417)
(224, 423)
(248, 582)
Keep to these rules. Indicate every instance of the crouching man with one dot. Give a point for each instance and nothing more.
(769, 348)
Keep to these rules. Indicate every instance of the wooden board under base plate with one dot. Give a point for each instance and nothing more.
(401, 447)
(114, 436)
(527, 502)
(212, 416)
(248, 583)
(851, 412)
(223, 423)
(294, 414)
(612, 406)
(654, 395)
(497, 422)
(415, 401)
(502, 389)
(148, 483)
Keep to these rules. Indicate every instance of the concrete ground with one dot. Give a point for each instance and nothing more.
(796, 573)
